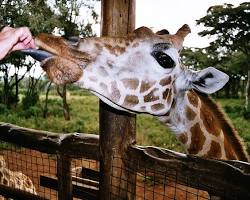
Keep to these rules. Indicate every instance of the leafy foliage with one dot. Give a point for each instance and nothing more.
(59, 16)
(230, 25)
(229, 51)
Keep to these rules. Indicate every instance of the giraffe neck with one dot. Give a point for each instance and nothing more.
(202, 128)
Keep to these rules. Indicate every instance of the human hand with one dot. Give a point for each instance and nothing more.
(12, 39)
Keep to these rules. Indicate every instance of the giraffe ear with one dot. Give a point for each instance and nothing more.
(209, 80)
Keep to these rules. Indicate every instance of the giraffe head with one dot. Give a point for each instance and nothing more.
(139, 72)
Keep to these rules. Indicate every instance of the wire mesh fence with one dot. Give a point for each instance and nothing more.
(31, 164)
(157, 177)
(151, 184)
(143, 184)
(36, 172)
(143, 173)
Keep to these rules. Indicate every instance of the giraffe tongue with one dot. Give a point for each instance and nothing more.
(37, 54)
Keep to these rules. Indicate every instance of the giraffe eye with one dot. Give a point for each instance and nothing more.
(163, 59)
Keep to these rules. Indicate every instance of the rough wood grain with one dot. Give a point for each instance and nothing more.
(65, 188)
(18, 194)
(228, 179)
(76, 145)
(79, 190)
(117, 129)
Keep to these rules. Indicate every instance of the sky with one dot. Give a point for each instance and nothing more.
(172, 14)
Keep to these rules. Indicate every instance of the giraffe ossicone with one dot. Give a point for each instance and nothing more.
(142, 73)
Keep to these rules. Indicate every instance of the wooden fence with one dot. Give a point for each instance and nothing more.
(227, 179)
(123, 170)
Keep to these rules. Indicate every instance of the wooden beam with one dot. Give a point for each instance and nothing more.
(79, 191)
(218, 177)
(75, 145)
(90, 174)
(64, 177)
(14, 193)
(117, 129)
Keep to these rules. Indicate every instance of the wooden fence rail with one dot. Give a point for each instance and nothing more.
(64, 146)
(224, 176)
(220, 178)
(75, 145)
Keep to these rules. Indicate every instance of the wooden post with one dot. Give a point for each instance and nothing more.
(117, 129)
(64, 177)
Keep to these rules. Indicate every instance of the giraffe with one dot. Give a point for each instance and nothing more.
(142, 73)
(14, 179)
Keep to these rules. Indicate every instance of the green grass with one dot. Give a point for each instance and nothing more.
(85, 119)
(234, 111)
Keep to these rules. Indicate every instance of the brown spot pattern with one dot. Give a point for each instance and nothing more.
(145, 86)
(229, 150)
(193, 98)
(98, 46)
(209, 120)
(117, 50)
(183, 138)
(165, 81)
(169, 98)
(131, 100)
(5, 181)
(157, 107)
(150, 96)
(197, 139)
(165, 93)
(136, 44)
(190, 113)
(215, 150)
(130, 83)
(115, 95)
(173, 104)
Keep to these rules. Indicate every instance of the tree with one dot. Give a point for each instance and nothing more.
(40, 16)
(230, 25)
(34, 14)
(232, 64)
(72, 25)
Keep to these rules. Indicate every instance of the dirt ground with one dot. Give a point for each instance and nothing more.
(34, 164)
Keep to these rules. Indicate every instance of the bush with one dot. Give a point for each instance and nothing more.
(30, 99)
(234, 110)
(246, 113)
(3, 108)
(32, 111)
(8, 99)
